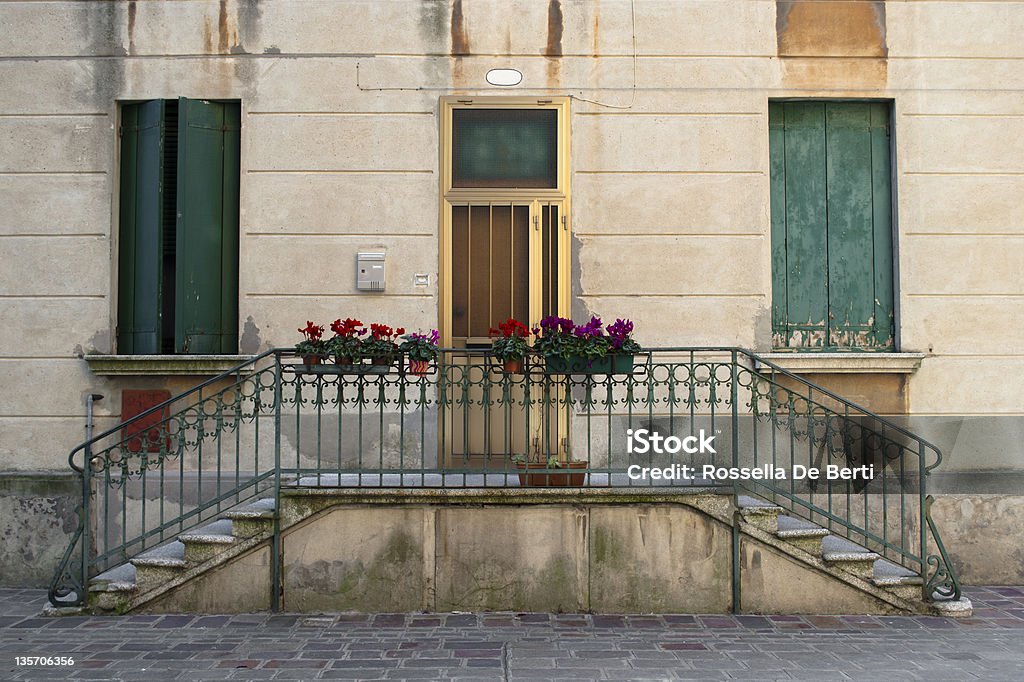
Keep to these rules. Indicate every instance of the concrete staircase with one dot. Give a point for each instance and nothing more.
(845, 560)
(145, 581)
(158, 571)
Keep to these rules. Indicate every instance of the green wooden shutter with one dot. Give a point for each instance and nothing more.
(206, 302)
(141, 226)
(832, 281)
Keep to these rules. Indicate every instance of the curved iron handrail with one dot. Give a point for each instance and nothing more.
(158, 408)
(73, 572)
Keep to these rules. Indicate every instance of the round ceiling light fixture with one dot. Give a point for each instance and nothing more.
(504, 78)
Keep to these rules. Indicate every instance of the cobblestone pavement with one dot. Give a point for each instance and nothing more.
(517, 646)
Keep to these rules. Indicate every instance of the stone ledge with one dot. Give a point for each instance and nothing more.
(506, 496)
(163, 365)
(844, 363)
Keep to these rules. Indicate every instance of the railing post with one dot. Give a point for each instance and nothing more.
(86, 520)
(922, 495)
(734, 397)
(275, 554)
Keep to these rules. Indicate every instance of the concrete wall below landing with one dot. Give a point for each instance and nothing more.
(563, 558)
(654, 555)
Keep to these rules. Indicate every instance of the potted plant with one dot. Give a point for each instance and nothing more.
(623, 347)
(381, 346)
(509, 344)
(312, 348)
(421, 350)
(569, 348)
(545, 473)
(346, 346)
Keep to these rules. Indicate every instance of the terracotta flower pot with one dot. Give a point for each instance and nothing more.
(537, 474)
(512, 366)
(311, 359)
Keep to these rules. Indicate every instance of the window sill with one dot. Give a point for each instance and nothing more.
(845, 363)
(163, 365)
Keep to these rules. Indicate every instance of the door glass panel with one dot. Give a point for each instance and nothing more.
(510, 148)
(550, 223)
(490, 268)
(460, 272)
(480, 278)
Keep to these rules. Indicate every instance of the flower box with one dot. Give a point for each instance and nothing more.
(576, 364)
(623, 363)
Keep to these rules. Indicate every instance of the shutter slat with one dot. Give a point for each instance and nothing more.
(806, 217)
(777, 149)
(883, 302)
(850, 235)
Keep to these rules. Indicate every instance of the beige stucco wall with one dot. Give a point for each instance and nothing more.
(670, 188)
(605, 558)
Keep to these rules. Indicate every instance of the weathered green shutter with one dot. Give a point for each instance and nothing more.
(832, 283)
(206, 304)
(141, 226)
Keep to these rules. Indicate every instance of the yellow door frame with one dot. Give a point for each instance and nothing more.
(536, 197)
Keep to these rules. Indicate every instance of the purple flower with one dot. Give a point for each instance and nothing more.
(590, 330)
(552, 324)
(432, 338)
(619, 332)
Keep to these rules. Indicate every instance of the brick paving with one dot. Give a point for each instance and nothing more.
(505, 646)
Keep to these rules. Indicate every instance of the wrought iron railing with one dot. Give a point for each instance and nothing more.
(274, 422)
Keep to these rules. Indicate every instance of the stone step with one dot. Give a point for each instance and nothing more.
(206, 542)
(901, 581)
(848, 556)
(160, 564)
(110, 589)
(800, 533)
(116, 579)
(759, 513)
(252, 519)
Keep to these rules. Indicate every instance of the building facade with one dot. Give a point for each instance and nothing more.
(833, 185)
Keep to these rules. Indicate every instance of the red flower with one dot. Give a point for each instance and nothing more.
(313, 332)
(381, 332)
(348, 328)
(508, 328)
